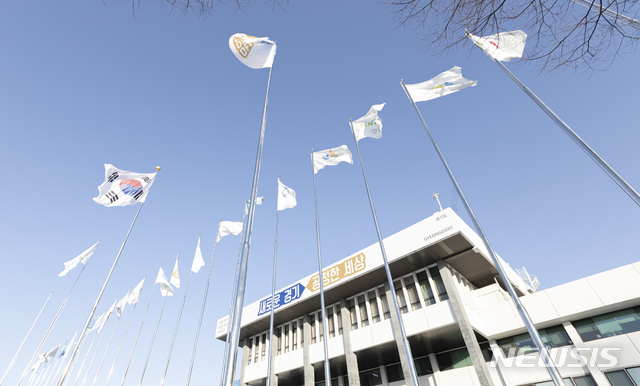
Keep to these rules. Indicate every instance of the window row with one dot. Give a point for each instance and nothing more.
(585, 380)
(521, 344)
(610, 324)
(624, 377)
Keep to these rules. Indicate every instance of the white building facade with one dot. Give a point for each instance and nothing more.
(460, 322)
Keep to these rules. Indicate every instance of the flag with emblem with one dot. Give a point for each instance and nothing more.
(252, 51)
(121, 188)
(286, 196)
(259, 201)
(165, 287)
(198, 261)
(370, 125)
(134, 296)
(444, 84)
(331, 157)
(175, 276)
(228, 228)
(121, 304)
(503, 46)
(98, 322)
(81, 258)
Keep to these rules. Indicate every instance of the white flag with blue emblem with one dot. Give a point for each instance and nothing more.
(81, 258)
(259, 201)
(165, 287)
(331, 157)
(503, 46)
(370, 125)
(252, 51)
(286, 197)
(444, 84)
(121, 188)
(121, 304)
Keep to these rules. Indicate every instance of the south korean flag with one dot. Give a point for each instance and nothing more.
(121, 187)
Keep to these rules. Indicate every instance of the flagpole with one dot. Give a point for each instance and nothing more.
(89, 352)
(588, 4)
(175, 333)
(233, 294)
(62, 362)
(273, 293)
(104, 286)
(617, 178)
(25, 339)
(230, 367)
(53, 322)
(146, 362)
(57, 359)
(327, 370)
(204, 302)
(119, 347)
(85, 358)
(100, 342)
(524, 315)
(137, 336)
(110, 339)
(403, 334)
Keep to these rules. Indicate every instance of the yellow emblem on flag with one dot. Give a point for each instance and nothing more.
(242, 46)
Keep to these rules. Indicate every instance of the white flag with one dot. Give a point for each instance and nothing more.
(227, 228)
(370, 125)
(286, 197)
(121, 187)
(134, 296)
(175, 276)
(165, 287)
(259, 201)
(44, 358)
(331, 157)
(98, 322)
(198, 261)
(121, 304)
(252, 51)
(81, 258)
(444, 84)
(503, 46)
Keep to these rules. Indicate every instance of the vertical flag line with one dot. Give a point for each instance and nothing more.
(109, 344)
(102, 334)
(73, 367)
(99, 343)
(524, 315)
(230, 367)
(617, 178)
(273, 292)
(146, 362)
(175, 333)
(233, 294)
(204, 302)
(135, 343)
(403, 334)
(104, 286)
(62, 362)
(327, 370)
(25, 339)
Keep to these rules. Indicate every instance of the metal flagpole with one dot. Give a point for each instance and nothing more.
(25, 339)
(104, 286)
(146, 362)
(204, 302)
(327, 370)
(44, 372)
(53, 322)
(403, 334)
(109, 344)
(137, 336)
(230, 367)
(588, 4)
(62, 362)
(175, 333)
(617, 178)
(544, 354)
(273, 294)
(99, 343)
(233, 294)
(57, 359)
(85, 358)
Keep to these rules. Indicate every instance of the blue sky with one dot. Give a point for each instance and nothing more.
(87, 83)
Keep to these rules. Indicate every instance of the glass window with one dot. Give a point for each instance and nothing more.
(634, 373)
(339, 318)
(312, 322)
(385, 304)
(286, 338)
(301, 324)
(370, 378)
(555, 337)
(334, 382)
(521, 344)
(611, 324)
(320, 325)
(250, 346)
(486, 351)
(256, 350)
(437, 280)
(423, 366)
(402, 302)
(425, 287)
(619, 378)
(412, 292)
(394, 373)
(264, 346)
(279, 340)
(362, 307)
(587, 380)
(587, 330)
(294, 336)
(454, 359)
(373, 304)
(352, 313)
(567, 382)
(330, 325)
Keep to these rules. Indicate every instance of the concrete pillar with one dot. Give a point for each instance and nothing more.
(352, 361)
(245, 359)
(309, 375)
(273, 378)
(436, 369)
(479, 365)
(404, 361)
(597, 375)
(502, 370)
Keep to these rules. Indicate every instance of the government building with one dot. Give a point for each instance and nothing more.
(461, 324)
